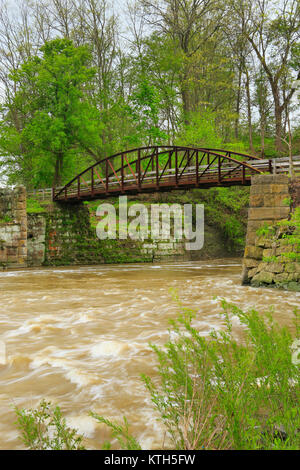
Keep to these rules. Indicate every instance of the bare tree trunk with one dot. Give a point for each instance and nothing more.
(238, 105)
(262, 133)
(291, 165)
(58, 170)
(186, 98)
(278, 120)
(249, 110)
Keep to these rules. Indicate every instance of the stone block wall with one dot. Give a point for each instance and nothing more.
(36, 239)
(273, 198)
(267, 204)
(170, 250)
(63, 235)
(70, 239)
(13, 227)
(275, 268)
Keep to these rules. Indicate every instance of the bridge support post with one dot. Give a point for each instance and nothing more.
(138, 170)
(122, 172)
(176, 167)
(92, 181)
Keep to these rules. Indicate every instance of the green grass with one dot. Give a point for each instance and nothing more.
(34, 206)
(6, 219)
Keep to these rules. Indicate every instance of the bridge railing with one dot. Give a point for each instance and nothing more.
(280, 165)
(43, 194)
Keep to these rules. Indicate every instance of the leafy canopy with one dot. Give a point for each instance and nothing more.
(51, 120)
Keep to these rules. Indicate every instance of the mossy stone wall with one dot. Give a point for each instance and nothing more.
(69, 239)
(63, 235)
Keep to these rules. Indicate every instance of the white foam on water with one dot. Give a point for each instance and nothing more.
(18, 331)
(81, 379)
(85, 425)
(40, 323)
(83, 318)
(13, 273)
(109, 348)
(154, 437)
(96, 391)
(72, 373)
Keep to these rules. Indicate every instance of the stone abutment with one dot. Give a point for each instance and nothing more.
(272, 251)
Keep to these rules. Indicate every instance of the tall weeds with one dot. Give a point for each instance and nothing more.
(218, 393)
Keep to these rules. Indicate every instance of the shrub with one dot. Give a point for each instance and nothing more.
(120, 432)
(45, 428)
(217, 393)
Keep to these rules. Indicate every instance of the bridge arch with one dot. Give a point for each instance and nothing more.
(160, 168)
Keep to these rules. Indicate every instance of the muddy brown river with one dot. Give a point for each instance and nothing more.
(79, 337)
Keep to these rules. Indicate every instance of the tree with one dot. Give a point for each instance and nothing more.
(273, 31)
(262, 100)
(190, 24)
(58, 124)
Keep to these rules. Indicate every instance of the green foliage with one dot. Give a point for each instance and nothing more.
(200, 131)
(233, 230)
(287, 233)
(293, 222)
(120, 432)
(181, 82)
(265, 230)
(5, 219)
(270, 259)
(217, 393)
(287, 201)
(58, 121)
(288, 230)
(33, 206)
(44, 428)
(291, 256)
(144, 111)
(227, 209)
